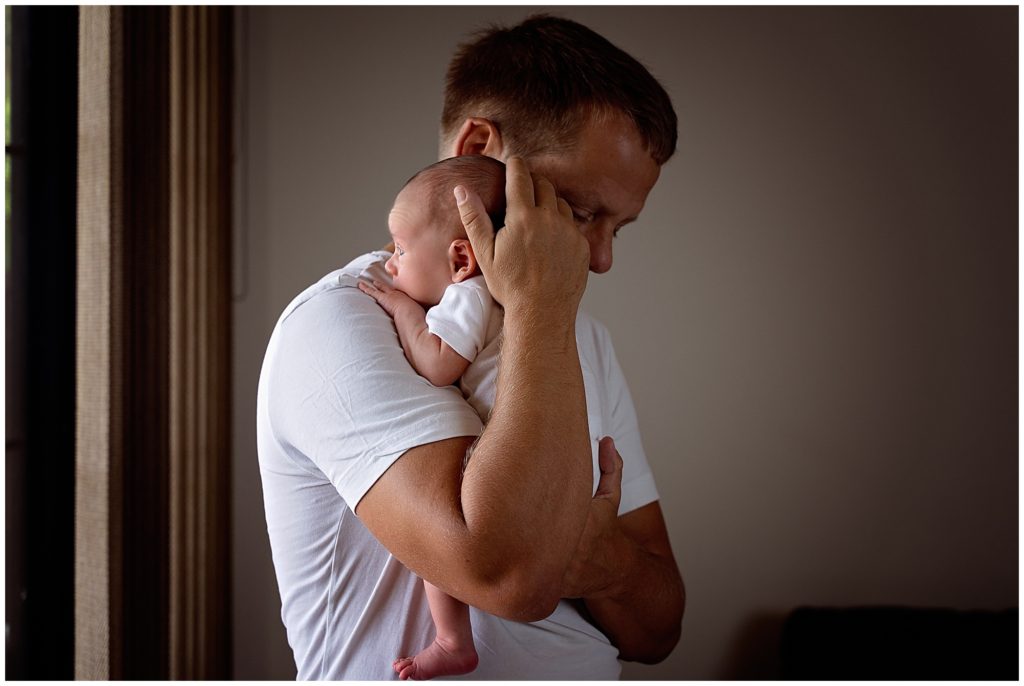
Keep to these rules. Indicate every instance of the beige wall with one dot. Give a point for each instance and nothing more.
(816, 312)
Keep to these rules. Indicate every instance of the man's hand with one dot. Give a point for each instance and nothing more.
(392, 300)
(592, 571)
(539, 260)
(625, 571)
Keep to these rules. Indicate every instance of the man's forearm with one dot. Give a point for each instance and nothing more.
(642, 613)
(529, 477)
(498, 532)
(625, 571)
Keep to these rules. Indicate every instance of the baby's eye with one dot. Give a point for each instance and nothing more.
(400, 250)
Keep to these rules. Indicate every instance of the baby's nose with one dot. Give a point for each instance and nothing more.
(390, 267)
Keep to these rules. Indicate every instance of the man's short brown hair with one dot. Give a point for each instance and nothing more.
(540, 81)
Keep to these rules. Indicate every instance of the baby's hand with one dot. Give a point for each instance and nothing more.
(390, 299)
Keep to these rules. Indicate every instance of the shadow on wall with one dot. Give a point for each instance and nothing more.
(900, 643)
(871, 643)
(755, 652)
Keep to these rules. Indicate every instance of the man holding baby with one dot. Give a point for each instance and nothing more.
(546, 520)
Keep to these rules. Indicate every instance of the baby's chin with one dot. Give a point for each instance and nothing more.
(426, 302)
(433, 299)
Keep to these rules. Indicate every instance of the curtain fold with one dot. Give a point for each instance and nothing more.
(152, 344)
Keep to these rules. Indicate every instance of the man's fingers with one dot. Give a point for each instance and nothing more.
(544, 193)
(518, 184)
(478, 226)
(564, 208)
(610, 484)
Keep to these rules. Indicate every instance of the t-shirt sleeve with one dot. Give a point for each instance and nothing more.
(460, 319)
(638, 488)
(344, 395)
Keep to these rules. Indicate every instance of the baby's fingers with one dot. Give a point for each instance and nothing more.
(371, 291)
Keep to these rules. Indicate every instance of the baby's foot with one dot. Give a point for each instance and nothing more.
(440, 658)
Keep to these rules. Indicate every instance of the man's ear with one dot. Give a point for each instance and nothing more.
(478, 136)
(461, 260)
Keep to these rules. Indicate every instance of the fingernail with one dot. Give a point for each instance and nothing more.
(460, 194)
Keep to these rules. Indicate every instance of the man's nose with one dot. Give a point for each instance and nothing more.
(600, 250)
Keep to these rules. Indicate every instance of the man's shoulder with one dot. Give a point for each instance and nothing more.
(332, 322)
(369, 266)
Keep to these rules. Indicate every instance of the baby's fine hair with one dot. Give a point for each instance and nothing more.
(480, 174)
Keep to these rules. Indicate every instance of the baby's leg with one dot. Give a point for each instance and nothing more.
(452, 651)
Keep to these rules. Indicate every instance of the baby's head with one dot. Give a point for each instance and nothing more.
(431, 248)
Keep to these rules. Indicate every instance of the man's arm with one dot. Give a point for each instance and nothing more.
(625, 571)
(642, 615)
(500, 534)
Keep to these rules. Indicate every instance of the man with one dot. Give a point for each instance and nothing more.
(366, 468)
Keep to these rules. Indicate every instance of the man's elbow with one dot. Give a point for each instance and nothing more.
(521, 595)
(651, 652)
(532, 606)
(523, 604)
(658, 644)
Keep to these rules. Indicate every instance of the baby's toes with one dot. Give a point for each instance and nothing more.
(404, 666)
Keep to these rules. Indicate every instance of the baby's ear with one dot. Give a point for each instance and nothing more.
(461, 260)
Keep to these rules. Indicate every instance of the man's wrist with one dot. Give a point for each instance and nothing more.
(624, 556)
(539, 328)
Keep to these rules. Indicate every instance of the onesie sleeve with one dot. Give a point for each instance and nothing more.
(460, 319)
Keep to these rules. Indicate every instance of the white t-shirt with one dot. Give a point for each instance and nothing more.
(337, 404)
(469, 321)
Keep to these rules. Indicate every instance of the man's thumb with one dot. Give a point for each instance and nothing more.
(478, 225)
(610, 484)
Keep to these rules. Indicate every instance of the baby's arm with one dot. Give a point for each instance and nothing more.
(431, 357)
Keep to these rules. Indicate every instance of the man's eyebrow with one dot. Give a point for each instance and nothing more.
(591, 202)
